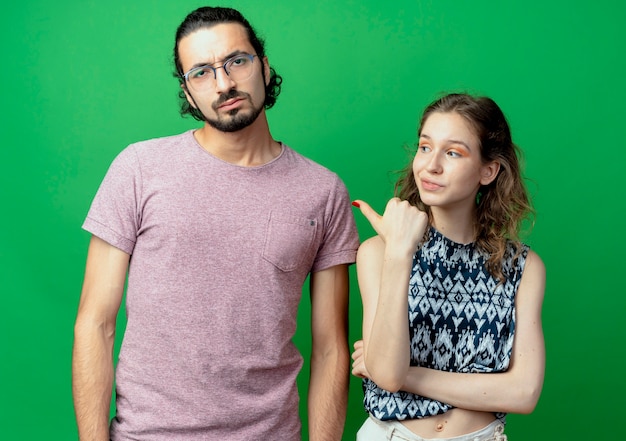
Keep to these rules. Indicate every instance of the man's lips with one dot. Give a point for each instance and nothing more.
(229, 104)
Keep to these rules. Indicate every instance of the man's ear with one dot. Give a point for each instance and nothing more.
(188, 96)
(266, 71)
(489, 172)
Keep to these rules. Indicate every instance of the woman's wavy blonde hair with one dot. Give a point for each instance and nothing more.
(502, 205)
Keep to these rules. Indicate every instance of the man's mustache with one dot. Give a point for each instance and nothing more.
(229, 96)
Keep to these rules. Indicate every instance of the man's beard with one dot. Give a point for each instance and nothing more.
(238, 119)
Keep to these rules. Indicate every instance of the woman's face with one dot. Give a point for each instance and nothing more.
(448, 166)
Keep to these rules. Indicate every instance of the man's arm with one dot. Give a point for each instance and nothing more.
(330, 356)
(94, 335)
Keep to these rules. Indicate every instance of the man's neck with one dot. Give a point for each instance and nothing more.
(252, 146)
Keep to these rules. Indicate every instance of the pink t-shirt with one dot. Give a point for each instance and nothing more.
(219, 257)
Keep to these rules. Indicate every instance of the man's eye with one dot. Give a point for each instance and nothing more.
(239, 61)
(200, 73)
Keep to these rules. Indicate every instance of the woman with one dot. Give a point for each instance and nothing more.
(473, 349)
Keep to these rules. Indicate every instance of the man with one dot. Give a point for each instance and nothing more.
(218, 228)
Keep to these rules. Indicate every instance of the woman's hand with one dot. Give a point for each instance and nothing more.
(358, 361)
(401, 226)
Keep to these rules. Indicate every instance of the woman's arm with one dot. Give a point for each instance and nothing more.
(383, 270)
(517, 390)
(385, 329)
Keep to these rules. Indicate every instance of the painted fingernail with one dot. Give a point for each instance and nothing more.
(356, 204)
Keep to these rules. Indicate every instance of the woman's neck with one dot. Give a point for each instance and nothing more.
(457, 227)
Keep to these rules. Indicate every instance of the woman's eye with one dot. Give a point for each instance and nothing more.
(424, 148)
(457, 153)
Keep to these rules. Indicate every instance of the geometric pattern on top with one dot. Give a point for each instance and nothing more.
(460, 320)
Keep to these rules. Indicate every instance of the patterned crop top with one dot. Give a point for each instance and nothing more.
(460, 320)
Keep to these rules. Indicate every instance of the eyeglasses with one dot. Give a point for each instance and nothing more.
(239, 68)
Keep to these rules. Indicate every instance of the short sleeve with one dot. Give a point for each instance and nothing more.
(341, 239)
(114, 215)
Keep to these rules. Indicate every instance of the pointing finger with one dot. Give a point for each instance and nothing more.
(370, 214)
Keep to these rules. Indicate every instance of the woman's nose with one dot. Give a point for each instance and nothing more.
(434, 163)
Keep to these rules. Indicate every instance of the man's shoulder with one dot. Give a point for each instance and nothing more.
(163, 142)
(308, 165)
(155, 149)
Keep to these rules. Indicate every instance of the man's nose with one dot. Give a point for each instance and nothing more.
(223, 81)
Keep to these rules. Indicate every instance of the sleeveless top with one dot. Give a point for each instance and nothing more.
(460, 320)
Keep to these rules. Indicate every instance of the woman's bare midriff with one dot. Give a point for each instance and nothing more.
(455, 422)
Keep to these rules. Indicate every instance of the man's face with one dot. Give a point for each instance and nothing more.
(226, 104)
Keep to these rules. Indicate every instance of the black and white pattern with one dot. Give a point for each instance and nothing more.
(460, 319)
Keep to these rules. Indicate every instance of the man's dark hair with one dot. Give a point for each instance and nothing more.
(206, 17)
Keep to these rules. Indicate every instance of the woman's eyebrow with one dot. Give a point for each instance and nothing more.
(449, 141)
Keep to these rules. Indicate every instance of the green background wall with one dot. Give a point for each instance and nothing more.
(82, 79)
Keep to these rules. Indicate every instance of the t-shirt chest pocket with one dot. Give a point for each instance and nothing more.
(289, 241)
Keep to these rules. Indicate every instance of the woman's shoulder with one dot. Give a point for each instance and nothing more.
(373, 244)
(372, 248)
(534, 264)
